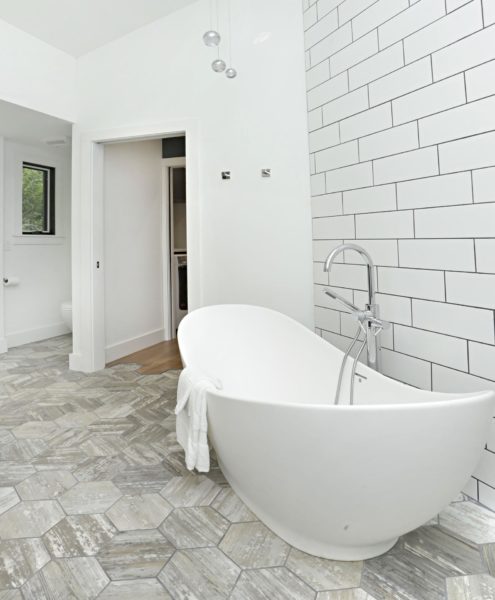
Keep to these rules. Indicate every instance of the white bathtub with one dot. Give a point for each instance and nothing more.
(340, 482)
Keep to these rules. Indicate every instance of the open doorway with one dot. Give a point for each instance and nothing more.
(145, 251)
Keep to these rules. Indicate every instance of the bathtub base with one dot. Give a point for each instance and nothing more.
(349, 553)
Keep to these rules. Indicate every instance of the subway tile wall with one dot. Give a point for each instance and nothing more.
(401, 115)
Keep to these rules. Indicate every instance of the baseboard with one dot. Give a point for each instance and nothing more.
(121, 349)
(3, 345)
(19, 338)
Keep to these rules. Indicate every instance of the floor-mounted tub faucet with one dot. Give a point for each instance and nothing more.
(369, 317)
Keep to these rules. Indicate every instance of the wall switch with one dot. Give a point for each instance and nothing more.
(266, 172)
(226, 175)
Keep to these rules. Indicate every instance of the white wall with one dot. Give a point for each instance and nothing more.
(36, 75)
(42, 263)
(134, 311)
(255, 233)
(401, 99)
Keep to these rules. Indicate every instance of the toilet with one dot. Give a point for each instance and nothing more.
(66, 312)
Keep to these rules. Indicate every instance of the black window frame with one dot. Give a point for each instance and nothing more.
(49, 198)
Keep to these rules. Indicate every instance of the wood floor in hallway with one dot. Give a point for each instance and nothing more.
(154, 360)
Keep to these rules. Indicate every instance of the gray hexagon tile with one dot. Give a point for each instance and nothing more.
(253, 546)
(20, 560)
(90, 497)
(354, 594)
(194, 527)
(8, 498)
(30, 519)
(79, 535)
(101, 468)
(13, 472)
(76, 419)
(103, 445)
(67, 579)
(473, 587)
(135, 554)
(229, 505)
(10, 595)
(322, 574)
(191, 490)
(139, 512)
(46, 485)
(142, 479)
(147, 589)
(469, 521)
(271, 584)
(199, 574)
(36, 430)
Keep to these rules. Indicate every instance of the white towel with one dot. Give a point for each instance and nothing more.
(192, 423)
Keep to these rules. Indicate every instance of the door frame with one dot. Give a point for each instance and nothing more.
(88, 294)
(166, 242)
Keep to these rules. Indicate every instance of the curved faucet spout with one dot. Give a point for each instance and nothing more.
(368, 261)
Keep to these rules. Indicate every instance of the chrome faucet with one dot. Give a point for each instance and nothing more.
(369, 318)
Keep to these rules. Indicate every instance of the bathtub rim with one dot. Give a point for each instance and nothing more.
(442, 398)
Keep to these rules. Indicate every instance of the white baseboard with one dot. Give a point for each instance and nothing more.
(19, 338)
(116, 351)
(3, 345)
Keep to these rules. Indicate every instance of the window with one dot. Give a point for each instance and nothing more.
(38, 200)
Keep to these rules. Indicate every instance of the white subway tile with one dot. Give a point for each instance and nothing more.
(451, 255)
(484, 185)
(485, 256)
(489, 12)
(429, 100)
(480, 82)
(354, 53)
(395, 308)
(319, 275)
(324, 138)
(322, 248)
(454, 4)
(474, 289)
(310, 17)
(437, 348)
(444, 190)
(409, 165)
(307, 61)
(377, 14)
(325, 6)
(318, 74)
(406, 369)
(471, 488)
(350, 178)
(321, 29)
(338, 156)
(486, 492)
(383, 252)
(349, 276)
(369, 121)
(315, 119)
(385, 225)
(471, 153)
(421, 14)
(416, 283)
(377, 66)
(312, 165)
(326, 205)
(373, 199)
(333, 88)
(482, 360)
(460, 321)
(464, 54)
(439, 34)
(322, 299)
(317, 184)
(350, 8)
(333, 228)
(348, 105)
(327, 319)
(469, 119)
(331, 44)
(349, 325)
(469, 221)
(407, 79)
(388, 142)
(455, 382)
(485, 471)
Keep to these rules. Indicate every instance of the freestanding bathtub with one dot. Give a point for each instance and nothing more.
(340, 482)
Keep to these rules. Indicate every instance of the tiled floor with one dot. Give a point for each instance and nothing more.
(95, 503)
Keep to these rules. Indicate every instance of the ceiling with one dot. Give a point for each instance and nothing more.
(79, 26)
(31, 127)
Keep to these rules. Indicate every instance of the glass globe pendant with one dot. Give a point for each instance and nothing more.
(231, 73)
(211, 38)
(218, 65)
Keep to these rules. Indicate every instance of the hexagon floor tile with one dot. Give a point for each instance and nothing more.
(84, 456)
(139, 512)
